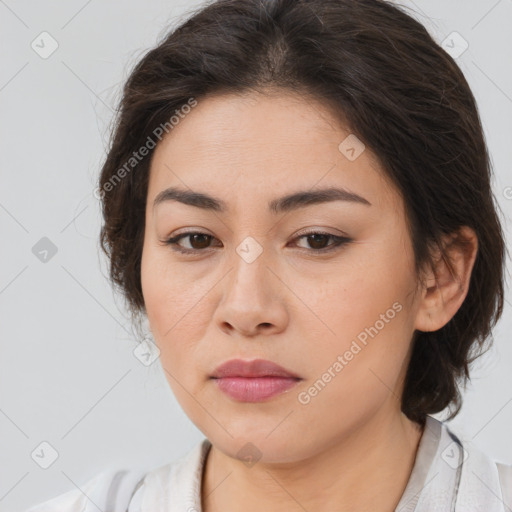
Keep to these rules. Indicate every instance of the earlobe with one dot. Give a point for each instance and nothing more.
(446, 286)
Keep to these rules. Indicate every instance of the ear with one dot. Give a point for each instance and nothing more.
(445, 290)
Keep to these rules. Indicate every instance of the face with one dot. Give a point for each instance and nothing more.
(324, 287)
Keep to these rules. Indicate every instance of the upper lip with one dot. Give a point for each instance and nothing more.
(253, 368)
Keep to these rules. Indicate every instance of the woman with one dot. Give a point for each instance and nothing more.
(297, 198)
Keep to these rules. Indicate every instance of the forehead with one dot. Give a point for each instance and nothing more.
(241, 146)
(253, 124)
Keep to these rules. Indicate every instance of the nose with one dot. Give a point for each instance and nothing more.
(253, 300)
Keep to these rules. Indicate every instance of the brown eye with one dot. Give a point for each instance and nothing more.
(318, 240)
(197, 242)
(200, 242)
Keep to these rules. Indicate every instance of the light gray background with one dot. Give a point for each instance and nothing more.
(68, 375)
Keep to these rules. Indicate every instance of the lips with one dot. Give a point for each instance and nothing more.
(253, 381)
(254, 368)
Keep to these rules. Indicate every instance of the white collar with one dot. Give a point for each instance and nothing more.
(446, 477)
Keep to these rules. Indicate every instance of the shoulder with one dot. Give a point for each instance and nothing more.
(133, 490)
(109, 490)
(177, 482)
(505, 476)
(482, 472)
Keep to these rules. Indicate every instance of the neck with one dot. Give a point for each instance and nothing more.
(365, 470)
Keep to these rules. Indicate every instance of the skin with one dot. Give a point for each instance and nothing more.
(350, 447)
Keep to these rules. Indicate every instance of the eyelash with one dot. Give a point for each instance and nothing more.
(339, 242)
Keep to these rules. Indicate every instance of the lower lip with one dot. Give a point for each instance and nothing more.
(254, 389)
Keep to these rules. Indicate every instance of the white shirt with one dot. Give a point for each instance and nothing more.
(447, 476)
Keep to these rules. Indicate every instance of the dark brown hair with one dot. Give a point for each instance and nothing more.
(389, 82)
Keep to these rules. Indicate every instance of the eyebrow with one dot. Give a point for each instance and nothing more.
(286, 203)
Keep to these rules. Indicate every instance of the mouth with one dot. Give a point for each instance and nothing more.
(253, 381)
(254, 389)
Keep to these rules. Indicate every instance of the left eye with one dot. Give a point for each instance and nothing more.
(317, 241)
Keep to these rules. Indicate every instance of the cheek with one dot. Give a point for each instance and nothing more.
(361, 368)
(363, 315)
(351, 301)
(170, 305)
(167, 293)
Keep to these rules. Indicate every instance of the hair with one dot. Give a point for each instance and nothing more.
(391, 84)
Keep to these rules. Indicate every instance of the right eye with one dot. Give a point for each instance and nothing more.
(198, 241)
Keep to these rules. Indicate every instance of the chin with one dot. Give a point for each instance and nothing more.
(252, 445)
